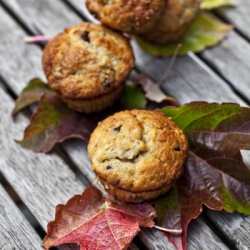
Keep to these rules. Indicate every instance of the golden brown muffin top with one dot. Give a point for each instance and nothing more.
(131, 16)
(138, 150)
(87, 61)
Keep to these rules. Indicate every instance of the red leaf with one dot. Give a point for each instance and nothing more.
(53, 122)
(94, 222)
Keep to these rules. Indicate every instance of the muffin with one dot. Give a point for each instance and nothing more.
(137, 155)
(177, 17)
(87, 66)
(133, 16)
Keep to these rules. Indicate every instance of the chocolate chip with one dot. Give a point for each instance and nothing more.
(118, 129)
(85, 36)
(177, 149)
(95, 15)
(106, 82)
(108, 167)
(118, 182)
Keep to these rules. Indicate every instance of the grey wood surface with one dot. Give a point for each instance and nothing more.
(41, 181)
(238, 16)
(231, 59)
(34, 175)
(15, 231)
(235, 227)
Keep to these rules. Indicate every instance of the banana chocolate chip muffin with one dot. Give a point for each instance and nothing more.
(87, 66)
(131, 16)
(137, 155)
(177, 16)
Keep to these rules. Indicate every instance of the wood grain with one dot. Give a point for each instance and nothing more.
(231, 59)
(235, 227)
(189, 80)
(15, 231)
(41, 180)
(238, 16)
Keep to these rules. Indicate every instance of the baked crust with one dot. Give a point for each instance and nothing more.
(87, 61)
(177, 17)
(139, 152)
(133, 16)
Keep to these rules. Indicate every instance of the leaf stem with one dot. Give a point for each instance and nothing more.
(173, 231)
(170, 65)
(35, 39)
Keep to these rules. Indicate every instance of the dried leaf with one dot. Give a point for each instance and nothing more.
(204, 32)
(154, 93)
(211, 4)
(215, 174)
(94, 222)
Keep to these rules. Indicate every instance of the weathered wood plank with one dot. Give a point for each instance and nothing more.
(12, 47)
(188, 81)
(154, 239)
(236, 227)
(231, 58)
(81, 8)
(195, 88)
(42, 181)
(47, 11)
(199, 227)
(196, 227)
(238, 16)
(15, 230)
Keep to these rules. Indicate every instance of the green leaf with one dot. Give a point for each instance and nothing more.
(133, 97)
(211, 4)
(31, 94)
(215, 174)
(204, 32)
(216, 134)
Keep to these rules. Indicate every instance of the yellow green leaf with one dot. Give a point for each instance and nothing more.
(204, 32)
(211, 4)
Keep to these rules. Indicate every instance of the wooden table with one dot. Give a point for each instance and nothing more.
(32, 184)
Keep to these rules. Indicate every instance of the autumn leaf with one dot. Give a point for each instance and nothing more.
(205, 31)
(211, 4)
(31, 94)
(95, 222)
(53, 122)
(154, 93)
(215, 174)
